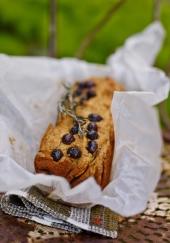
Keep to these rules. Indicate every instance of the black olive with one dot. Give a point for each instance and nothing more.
(92, 135)
(92, 126)
(74, 129)
(56, 154)
(68, 138)
(86, 84)
(74, 152)
(81, 85)
(94, 117)
(89, 84)
(92, 146)
(90, 94)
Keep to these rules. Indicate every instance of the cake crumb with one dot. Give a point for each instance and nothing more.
(12, 140)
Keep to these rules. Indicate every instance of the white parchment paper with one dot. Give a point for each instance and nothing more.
(30, 89)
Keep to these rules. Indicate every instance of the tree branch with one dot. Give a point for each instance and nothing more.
(92, 33)
(156, 9)
(52, 48)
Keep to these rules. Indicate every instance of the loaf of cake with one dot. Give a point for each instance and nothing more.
(81, 143)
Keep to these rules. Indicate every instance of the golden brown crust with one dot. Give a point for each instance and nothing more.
(97, 164)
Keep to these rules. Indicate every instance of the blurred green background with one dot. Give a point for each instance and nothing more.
(24, 27)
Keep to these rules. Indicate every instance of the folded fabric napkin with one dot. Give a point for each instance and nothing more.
(34, 205)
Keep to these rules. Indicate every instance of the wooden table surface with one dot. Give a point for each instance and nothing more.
(151, 226)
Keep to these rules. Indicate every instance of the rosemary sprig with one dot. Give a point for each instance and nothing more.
(68, 106)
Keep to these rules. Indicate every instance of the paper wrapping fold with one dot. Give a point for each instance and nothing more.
(29, 91)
